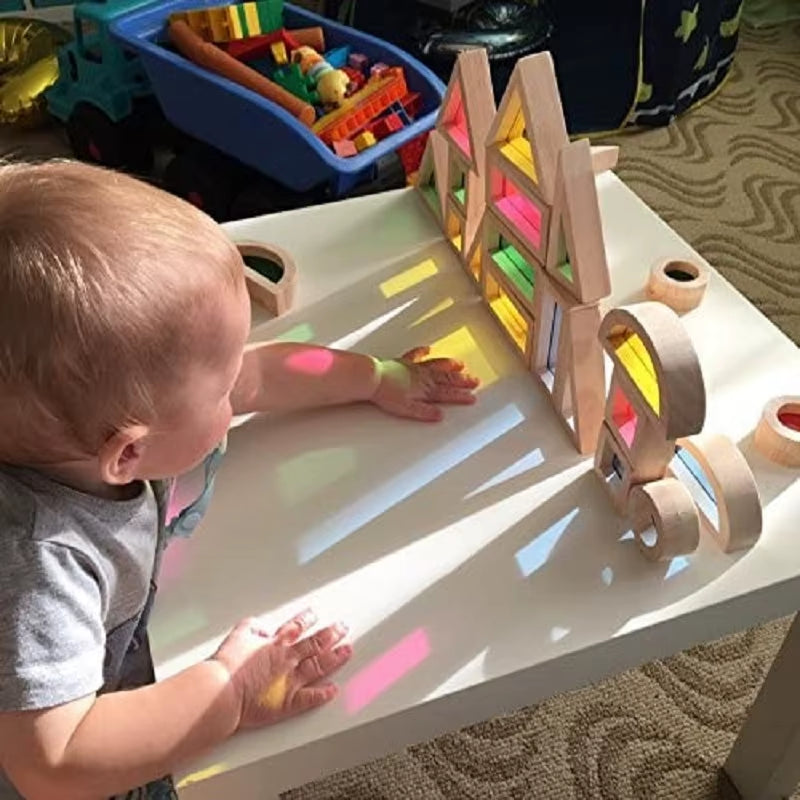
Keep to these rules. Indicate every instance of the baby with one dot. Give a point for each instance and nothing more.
(123, 322)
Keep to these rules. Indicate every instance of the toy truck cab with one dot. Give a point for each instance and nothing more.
(98, 87)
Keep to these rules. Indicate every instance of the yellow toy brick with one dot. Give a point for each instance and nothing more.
(279, 53)
(364, 140)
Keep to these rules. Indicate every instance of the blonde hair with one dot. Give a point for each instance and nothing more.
(102, 281)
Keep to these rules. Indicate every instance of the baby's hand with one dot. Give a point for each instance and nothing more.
(411, 387)
(278, 676)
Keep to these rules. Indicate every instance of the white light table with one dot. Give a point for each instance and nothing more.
(478, 562)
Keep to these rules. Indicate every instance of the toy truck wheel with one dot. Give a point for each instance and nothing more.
(96, 138)
(194, 179)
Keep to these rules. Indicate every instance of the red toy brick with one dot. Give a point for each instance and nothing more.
(386, 126)
(411, 153)
(344, 148)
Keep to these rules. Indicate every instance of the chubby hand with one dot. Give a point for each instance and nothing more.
(282, 674)
(413, 386)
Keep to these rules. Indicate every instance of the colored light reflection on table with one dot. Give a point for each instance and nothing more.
(351, 339)
(534, 555)
(461, 345)
(408, 278)
(299, 333)
(304, 475)
(437, 309)
(374, 679)
(528, 462)
(354, 516)
(202, 775)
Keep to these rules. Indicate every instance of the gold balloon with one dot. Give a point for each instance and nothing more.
(28, 66)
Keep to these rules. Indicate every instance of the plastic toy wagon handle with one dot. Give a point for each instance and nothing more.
(215, 60)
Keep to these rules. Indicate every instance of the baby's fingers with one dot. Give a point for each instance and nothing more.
(292, 630)
(312, 697)
(452, 395)
(460, 380)
(315, 668)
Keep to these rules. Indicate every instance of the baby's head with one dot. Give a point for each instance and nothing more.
(123, 317)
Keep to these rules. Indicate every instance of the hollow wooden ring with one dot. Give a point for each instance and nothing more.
(278, 297)
(667, 506)
(678, 295)
(776, 441)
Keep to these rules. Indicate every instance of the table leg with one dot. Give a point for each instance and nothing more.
(764, 763)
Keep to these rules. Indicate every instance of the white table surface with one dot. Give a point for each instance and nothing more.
(478, 562)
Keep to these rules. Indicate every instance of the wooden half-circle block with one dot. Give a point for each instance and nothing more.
(665, 519)
(657, 365)
(735, 494)
(270, 274)
(778, 432)
(679, 284)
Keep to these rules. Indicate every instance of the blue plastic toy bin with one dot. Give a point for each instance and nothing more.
(253, 129)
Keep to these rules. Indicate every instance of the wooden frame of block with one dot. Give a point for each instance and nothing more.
(575, 232)
(604, 157)
(657, 366)
(435, 163)
(664, 519)
(523, 211)
(276, 296)
(513, 319)
(613, 469)
(473, 260)
(778, 432)
(455, 226)
(530, 114)
(735, 492)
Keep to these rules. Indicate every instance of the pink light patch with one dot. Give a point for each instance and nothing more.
(460, 137)
(385, 670)
(310, 362)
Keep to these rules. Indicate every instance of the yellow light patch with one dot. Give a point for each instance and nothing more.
(437, 309)
(410, 277)
(456, 240)
(461, 345)
(202, 775)
(635, 358)
(273, 696)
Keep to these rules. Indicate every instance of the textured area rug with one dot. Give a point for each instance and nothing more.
(727, 177)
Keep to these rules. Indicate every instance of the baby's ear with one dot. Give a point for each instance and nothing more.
(120, 455)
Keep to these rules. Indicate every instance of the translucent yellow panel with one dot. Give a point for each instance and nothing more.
(408, 278)
(636, 360)
(518, 152)
(518, 125)
(456, 240)
(511, 319)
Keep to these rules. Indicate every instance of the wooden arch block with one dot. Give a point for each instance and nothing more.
(658, 366)
(665, 519)
(277, 296)
(778, 432)
(433, 176)
(738, 523)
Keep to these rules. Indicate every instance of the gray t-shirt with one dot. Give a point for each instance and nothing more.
(75, 575)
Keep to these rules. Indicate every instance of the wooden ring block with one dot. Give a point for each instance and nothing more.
(735, 491)
(276, 297)
(665, 519)
(680, 285)
(778, 432)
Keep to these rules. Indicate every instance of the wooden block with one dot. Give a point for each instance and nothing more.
(658, 366)
(679, 284)
(738, 520)
(276, 296)
(576, 230)
(604, 157)
(474, 260)
(778, 432)
(513, 319)
(613, 469)
(435, 164)
(664, 519)
(641, 440)
(455, 223)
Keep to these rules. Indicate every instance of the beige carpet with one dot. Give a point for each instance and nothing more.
(726, 176)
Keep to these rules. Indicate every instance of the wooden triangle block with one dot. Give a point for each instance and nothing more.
(576, 254)
(433, 175)
(468, 107)
(529, 128)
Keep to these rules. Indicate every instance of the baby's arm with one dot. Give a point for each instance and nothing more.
(284, 376)
(100, 746)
